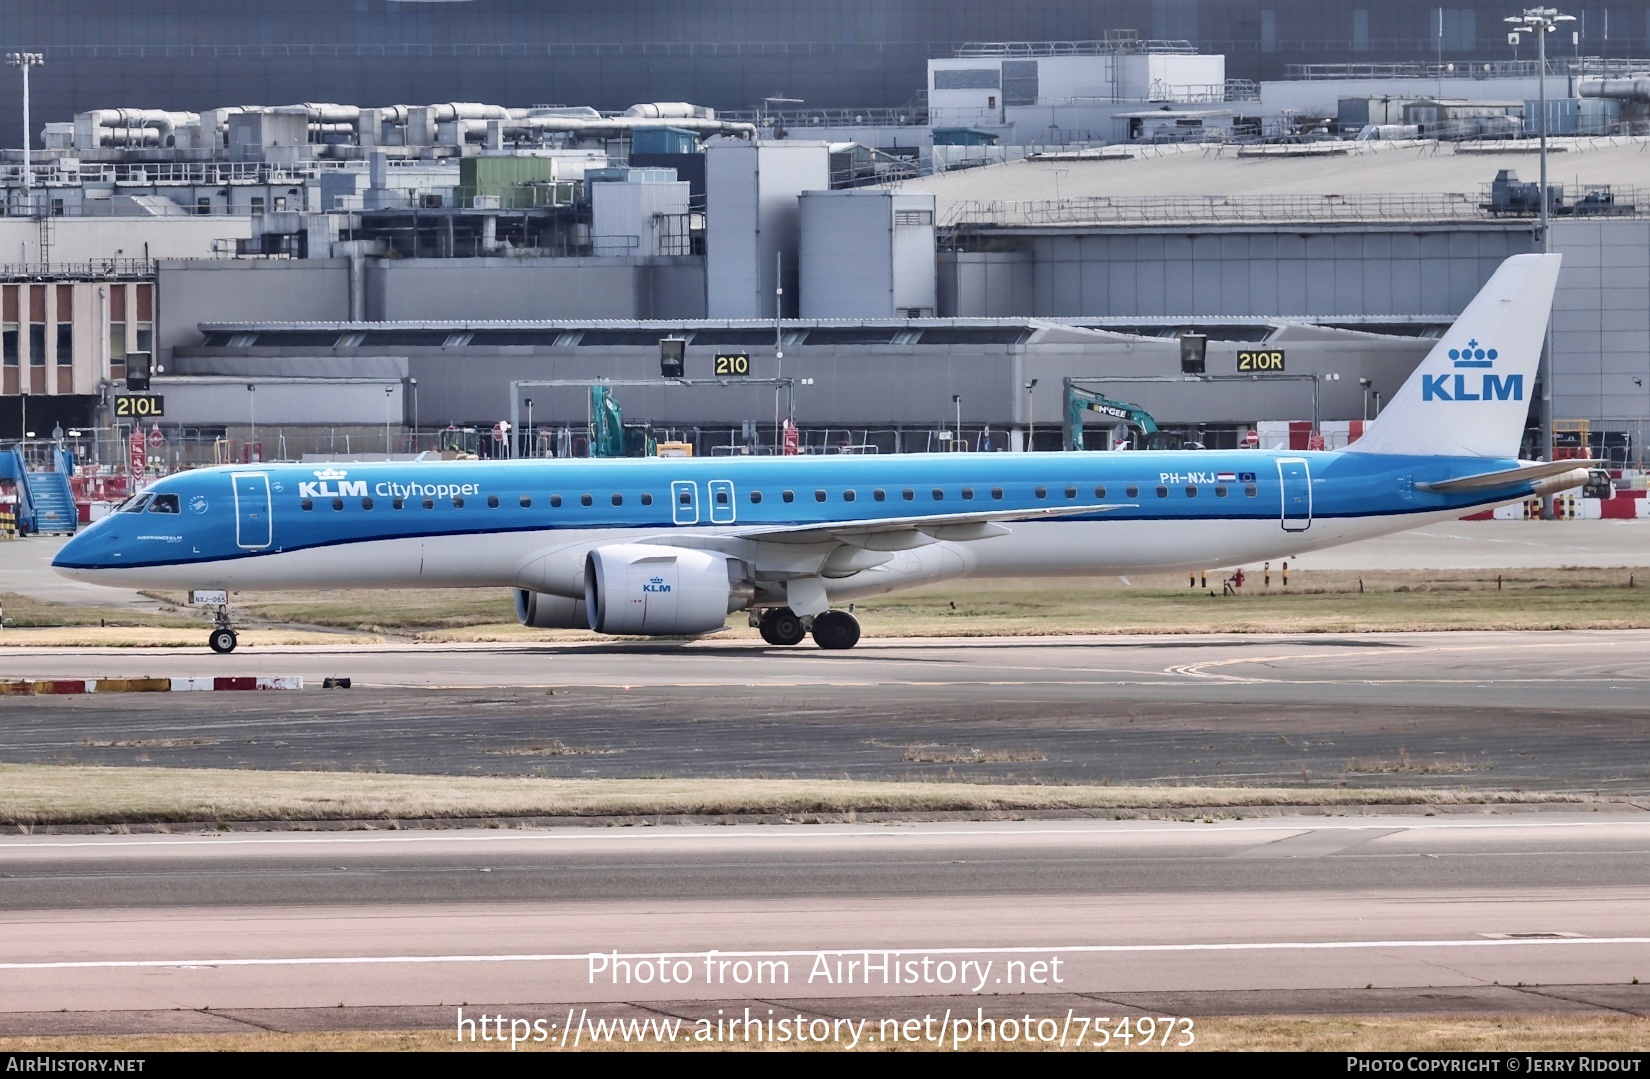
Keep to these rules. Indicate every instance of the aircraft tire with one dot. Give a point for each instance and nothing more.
(223, 641)
(780, 626)
(836, 630)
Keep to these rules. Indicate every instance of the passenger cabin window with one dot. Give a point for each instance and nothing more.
(1191, 492)
(848, 496)
(618, 499)
(756, 497)
(164, 504)
(399, 503)
(492, 502)
(306, 504)
(997, 492)
(1220, 491)
(586, 500)
(458, 502)
(721, 497)
(908, 494)
(337, 503)
(1099, 492)
(526, 501)
(1071, 492)
(1249, 490)
(788, 496)
(647, 499)
(968, 494)
(819, 496)
(555, 502)
(366, 503)
(939, 493)
(1133, 492)
(1041, 492)
(1162, 492)
(879, 495)
(685, 498)
(429, 503)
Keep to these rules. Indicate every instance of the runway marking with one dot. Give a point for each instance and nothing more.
(765, 833)
(1196, 670)
(1074, 949)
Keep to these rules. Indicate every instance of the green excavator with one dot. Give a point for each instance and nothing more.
(1080, 402)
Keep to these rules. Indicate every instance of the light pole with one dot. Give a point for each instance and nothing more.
(1031, 422)
(252, 414)
(530, 447)
(414, 383)
(1542, 21)
(1365, 383)
(26, 60)
(389, 393)
(956, 399)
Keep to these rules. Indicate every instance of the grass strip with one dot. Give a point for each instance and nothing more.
(1406, 1033)
(84, 794)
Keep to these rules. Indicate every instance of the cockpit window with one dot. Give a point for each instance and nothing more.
(164, 504)
(136, 505)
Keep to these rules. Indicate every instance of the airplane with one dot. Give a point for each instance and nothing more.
(673, 546)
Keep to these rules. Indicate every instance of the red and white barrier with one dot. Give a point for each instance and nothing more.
(50, 686)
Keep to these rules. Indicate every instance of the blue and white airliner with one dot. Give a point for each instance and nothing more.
(673, 546)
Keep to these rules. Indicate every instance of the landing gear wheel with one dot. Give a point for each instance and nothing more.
(781, 626)
(223, 640)
(836, 629)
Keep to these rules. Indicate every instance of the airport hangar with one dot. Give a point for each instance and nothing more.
(1097, 263)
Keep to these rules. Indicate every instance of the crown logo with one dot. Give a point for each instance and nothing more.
(1473, 355)
(331, 474)
(657, 580)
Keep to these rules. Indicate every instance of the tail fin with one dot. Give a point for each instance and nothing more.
(1471, 395)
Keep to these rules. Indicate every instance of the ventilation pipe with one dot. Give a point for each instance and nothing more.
(1635, 88)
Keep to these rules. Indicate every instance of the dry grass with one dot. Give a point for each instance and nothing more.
(930, 753)
(553, 748)
(65, 794)
(1406, 763)
(1570, 1033)
(1314, 602)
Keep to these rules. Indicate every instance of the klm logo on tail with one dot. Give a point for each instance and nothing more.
(1461, 386)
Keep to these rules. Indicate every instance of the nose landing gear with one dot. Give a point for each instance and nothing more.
(222, 639)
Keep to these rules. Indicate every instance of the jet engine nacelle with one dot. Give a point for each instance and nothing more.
(648, 589)
(542, 611)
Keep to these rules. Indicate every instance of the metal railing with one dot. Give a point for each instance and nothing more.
(1222, 209)
(1091, 47)
(99, 269)
(1557, 67)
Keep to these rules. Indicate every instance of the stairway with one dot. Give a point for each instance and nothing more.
(54, 508)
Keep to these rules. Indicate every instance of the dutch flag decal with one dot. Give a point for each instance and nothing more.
(1226, 477)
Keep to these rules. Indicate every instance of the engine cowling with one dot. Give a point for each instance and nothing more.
(541, 611)
(647, 589)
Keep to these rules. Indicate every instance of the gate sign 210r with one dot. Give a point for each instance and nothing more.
(1266, 360)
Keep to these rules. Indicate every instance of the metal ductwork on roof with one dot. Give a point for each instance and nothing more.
(1632, 88)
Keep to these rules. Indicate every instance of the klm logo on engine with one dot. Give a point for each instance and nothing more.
(657, 584)
(1464, 386)
(331, 483)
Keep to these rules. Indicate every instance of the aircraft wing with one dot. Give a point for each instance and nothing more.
(902, 533)
(1510, 477)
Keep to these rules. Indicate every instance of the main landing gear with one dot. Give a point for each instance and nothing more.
(834, 629)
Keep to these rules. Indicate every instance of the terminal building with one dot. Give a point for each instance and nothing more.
(943, 276)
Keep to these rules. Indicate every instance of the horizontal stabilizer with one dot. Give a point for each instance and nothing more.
(1511, 477)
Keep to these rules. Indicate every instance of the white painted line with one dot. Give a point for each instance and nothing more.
(690, 833)
(1074, 949)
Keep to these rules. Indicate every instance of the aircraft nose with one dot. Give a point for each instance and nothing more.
(83, 555)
